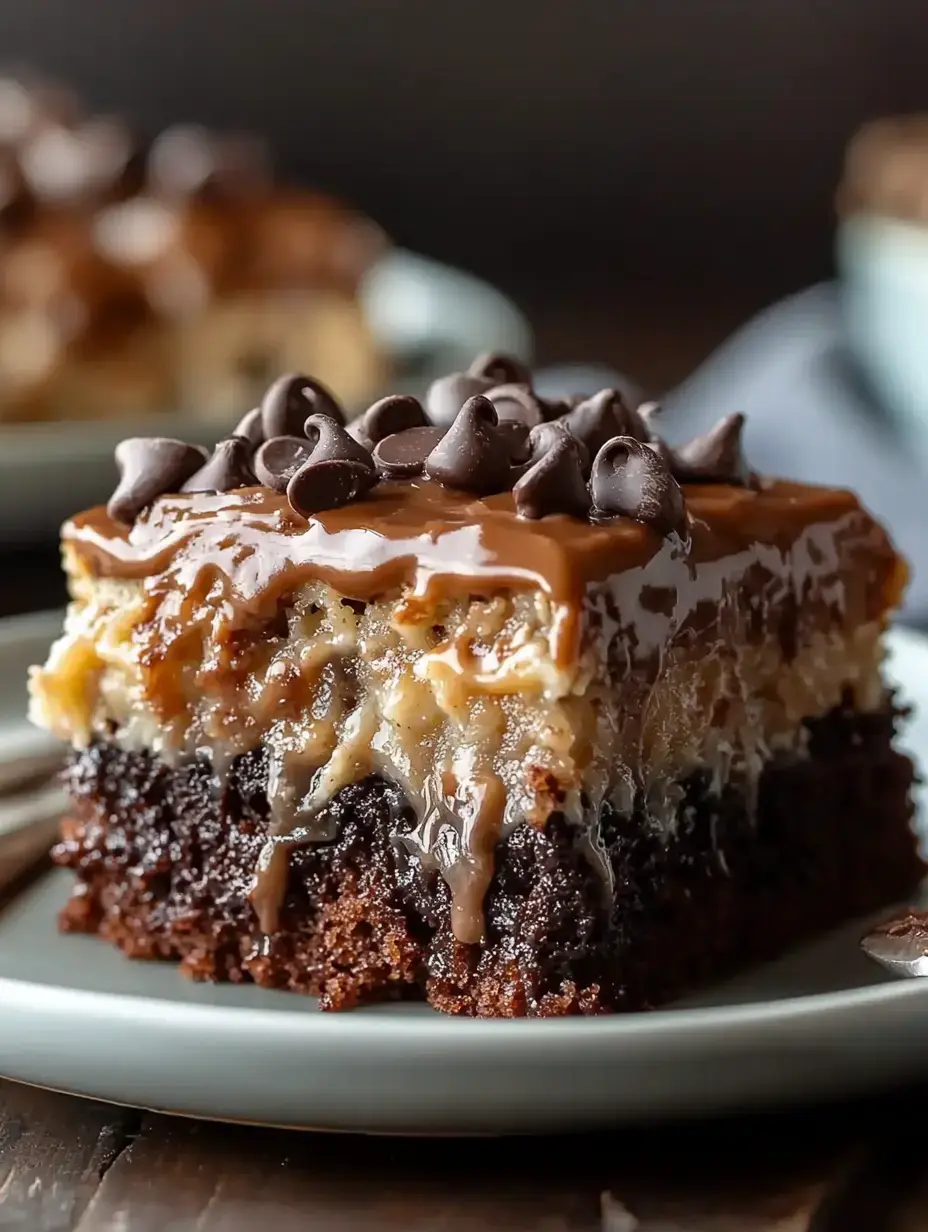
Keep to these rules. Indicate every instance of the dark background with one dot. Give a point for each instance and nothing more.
(580, 144)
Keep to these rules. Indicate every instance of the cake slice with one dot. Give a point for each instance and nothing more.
(177, 275)
(500, 703)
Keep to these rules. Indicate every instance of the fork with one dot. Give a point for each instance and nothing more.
(900, 944)
(31, 804)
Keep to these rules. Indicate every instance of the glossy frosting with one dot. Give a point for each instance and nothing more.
(425, 538)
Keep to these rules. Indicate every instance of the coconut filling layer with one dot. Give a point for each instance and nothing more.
(462, 704)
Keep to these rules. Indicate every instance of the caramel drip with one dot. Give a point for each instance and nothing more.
(470, 873)
(428, 539)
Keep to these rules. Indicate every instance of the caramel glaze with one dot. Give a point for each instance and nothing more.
(436, 542)
(798, 557)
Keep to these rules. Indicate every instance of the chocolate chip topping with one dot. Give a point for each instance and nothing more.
(150, 467)
(278, 460)
(472, 455)
(250, 428)
(290, 400)
(397, 413)
(228, 468)
(328, 484)
(500, 369)
(547, 435)
(482, 432)
(403, 455)
(649, 414)
(516, 436)
(329, 442)
(631, 480)
(716, 457)
(598, 419)
(554, 483)
(516, 403)
(338, 469)
(448, 394)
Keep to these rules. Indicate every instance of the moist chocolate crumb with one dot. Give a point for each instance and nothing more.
(164, 866)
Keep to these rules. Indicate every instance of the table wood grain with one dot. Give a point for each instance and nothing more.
(74, 1165)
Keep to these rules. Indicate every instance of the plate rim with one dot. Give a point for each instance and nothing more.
(183, 1018)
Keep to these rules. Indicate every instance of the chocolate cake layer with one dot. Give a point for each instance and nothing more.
(165, 864)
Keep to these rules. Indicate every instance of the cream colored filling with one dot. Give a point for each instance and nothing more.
(464, 707)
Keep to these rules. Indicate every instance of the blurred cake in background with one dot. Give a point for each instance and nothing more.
(172, 276)
(886, 169)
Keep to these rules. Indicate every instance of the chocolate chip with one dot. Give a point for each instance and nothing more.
(290, 400)
(501, 369)
(516, 436)
(631, 480)
(716, 457)
(328, 484)
(448, 394)
(547, 435)
(329, 442)
(598, 419)
(472, 455)
(358, 432)
(403, 455)
(278, 460)
(228, 468)
(554, 483)
(648, 414)
(150, 467)
(390, 415)
(250, 429)
(517, 403)
(557, 408)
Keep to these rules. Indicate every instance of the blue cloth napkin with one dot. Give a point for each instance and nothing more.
(811, 418)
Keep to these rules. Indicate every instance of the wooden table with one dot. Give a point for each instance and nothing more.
(69, 1163)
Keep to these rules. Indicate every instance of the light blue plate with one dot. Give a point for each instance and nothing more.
(76, 1016)
(812, 417)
